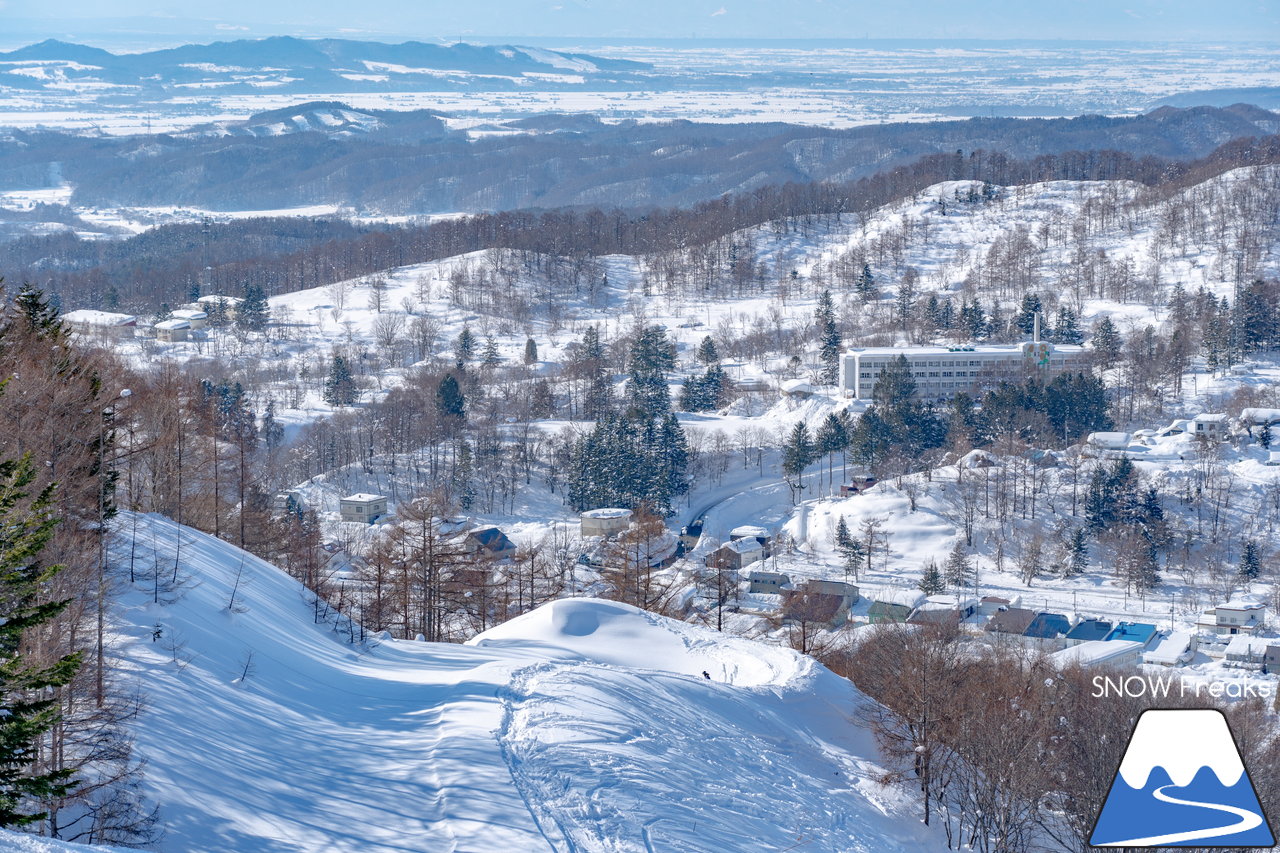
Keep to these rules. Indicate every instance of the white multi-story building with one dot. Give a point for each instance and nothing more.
(940, 372)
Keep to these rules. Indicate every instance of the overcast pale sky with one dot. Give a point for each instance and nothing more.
(431, 19)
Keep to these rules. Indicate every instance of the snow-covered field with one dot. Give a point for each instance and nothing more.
(585, 725)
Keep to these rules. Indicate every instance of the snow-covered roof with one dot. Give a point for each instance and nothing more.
(976, 459)
(90, 317)
(362, 497)
(607, 512)
(190, 314)
(746, 530)
(1210, 418)
(214, 298)
(743, 546)
(1094, 653)
(912, 598)
(173, 324)
(993, 349)
(1109, 439)
(796, 386)
(1243, 604)
(1273, 457)
(1260, 416)
(948, 602)
(1170, 650)
(1243, 644)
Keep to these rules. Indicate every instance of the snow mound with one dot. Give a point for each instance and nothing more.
(584, 725)
(16, 842)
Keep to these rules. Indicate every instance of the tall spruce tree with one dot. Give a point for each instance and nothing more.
(253, 312)
(29, 703)
(340, 386)
(1250, 561)
(931, 582)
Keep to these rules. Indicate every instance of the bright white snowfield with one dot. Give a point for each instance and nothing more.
(583, 726)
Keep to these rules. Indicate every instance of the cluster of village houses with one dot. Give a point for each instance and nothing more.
(1208, 426)
(185, 323)
(1232, 631)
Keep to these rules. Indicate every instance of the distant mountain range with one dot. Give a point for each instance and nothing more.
(411, 162)
(288, 64)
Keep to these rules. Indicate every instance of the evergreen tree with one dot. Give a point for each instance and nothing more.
(542, 402)
(271, 430)
(842, 533)
(464, 347)
(530, 352)
(193, 292)
(29, 697)
(450, 402)
(797, 454)
(463, 487)
(1067, 328)
(1025, 319)
(651, 357)
(340, 386)
(1264, 436)
(253, 312)
(1250, 562)
(598, 398)
(866, 285)
(931, 582)
(958, 569)
(707, 353)
(490, 357)
(1077, 555)
(1106, 342)
(829, 335)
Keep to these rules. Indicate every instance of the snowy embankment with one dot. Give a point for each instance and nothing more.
(14, 842)
(586, 725)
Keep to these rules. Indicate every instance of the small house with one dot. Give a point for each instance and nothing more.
(605, 522)
(990, 605)
(808, 606)
(1095, 653)
(736, 555)
(1134, 632)
(488, 542)
(841, 588)
(767, 582)
(1247, 651)
(856, 486)
(363, 508)
(1174, 650)
(196, 318)
(1013, 621)
(944, 610)
(796, 388)
(1211, 427)
(172, 331)
(1087, 631)
(1048, 627)
(1273, 458)
(229, 305)
(886, 612)
(1233, 617)
(751, 531)
(1271, 660)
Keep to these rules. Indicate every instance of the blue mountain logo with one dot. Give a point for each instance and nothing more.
(1182, 783)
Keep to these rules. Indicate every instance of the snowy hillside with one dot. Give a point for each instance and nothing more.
(585, 725)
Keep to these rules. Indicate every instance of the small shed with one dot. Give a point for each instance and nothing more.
(364, 508)
(841, 588)
(767, 582)
(751, 531)
(1273, 458)
(807, 605)
(990, 605)
(173, 331)
(1271, 660)
(606, 521)
(796, 388)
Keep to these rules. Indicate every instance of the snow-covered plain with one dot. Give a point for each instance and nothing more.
(583, 726)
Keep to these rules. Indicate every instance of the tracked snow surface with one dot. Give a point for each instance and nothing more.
(585, 725)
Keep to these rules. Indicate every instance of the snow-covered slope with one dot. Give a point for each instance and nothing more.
(15, 842)
(586, 725)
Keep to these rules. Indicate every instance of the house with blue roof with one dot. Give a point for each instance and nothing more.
(1140, 632)
(1087, 631)
(1048, 627)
